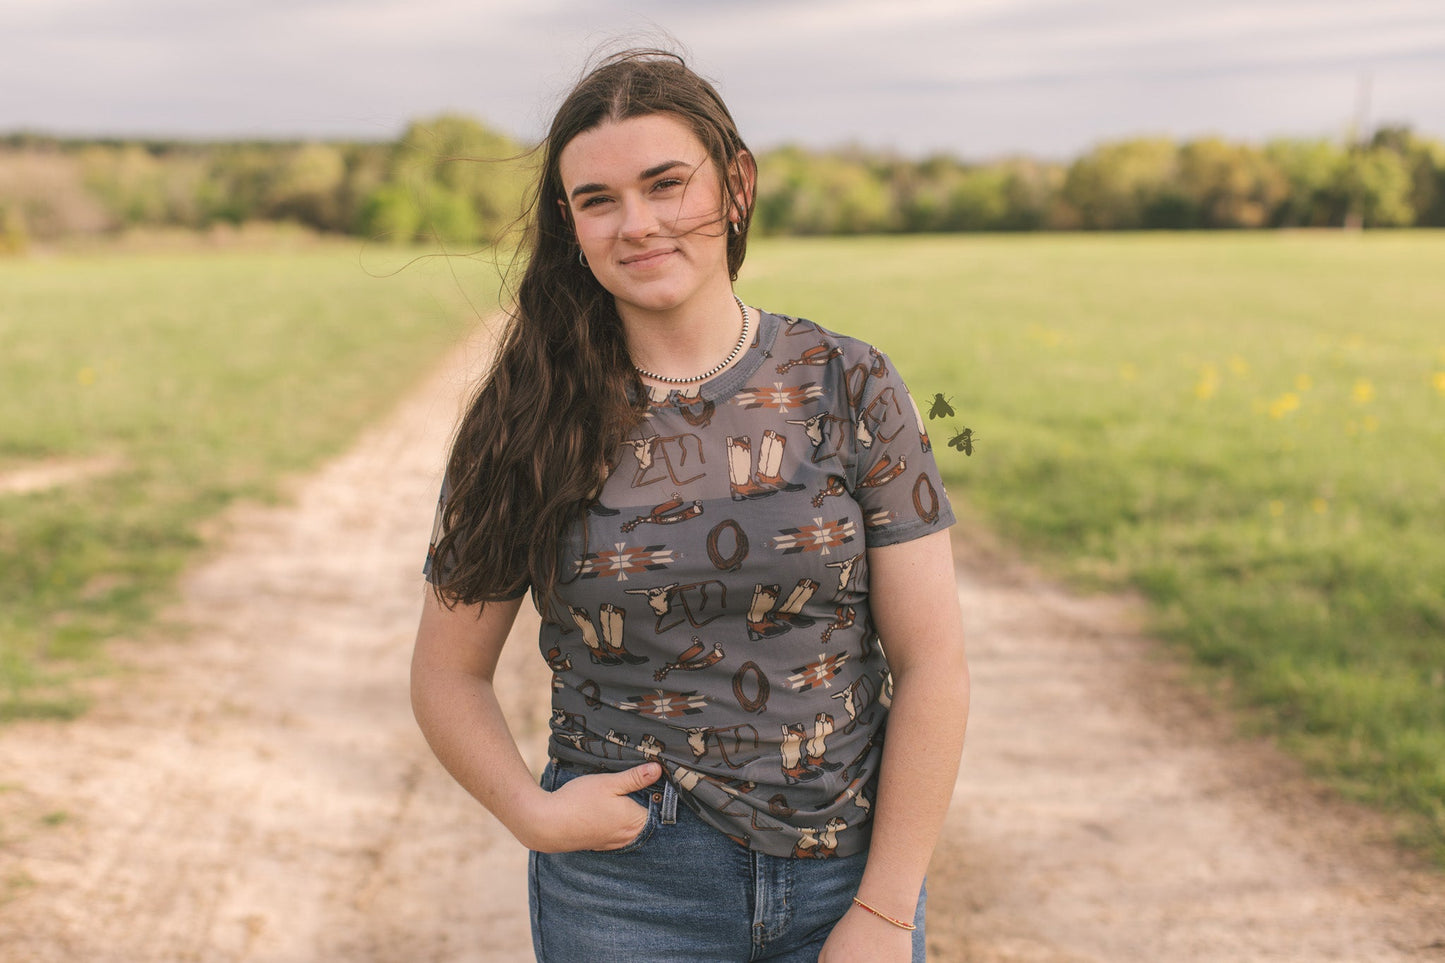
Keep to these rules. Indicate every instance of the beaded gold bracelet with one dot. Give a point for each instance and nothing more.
(884, 916)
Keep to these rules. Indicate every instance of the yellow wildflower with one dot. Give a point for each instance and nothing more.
(1207, 384)
(1363, 391)
(85, 376)
(1439, 381)
(1319, 506)
(1283, 405)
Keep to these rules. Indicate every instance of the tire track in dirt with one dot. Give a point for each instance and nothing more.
(260, 792)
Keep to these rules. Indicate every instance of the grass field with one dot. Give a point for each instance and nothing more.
(200, 378)
(1248, 428)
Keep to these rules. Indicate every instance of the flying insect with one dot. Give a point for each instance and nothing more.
(963, 441)
(940, 408)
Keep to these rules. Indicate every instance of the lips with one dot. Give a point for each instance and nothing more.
(647, 257)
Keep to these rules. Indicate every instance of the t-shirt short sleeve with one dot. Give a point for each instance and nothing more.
(894, 477)
(436, 568)
(433, 569)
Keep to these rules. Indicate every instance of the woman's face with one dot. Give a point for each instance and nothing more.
(645, 200)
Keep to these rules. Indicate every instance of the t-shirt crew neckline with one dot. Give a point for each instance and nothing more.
(729, 382)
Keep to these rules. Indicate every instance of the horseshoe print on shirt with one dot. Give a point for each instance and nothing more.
(716, 615)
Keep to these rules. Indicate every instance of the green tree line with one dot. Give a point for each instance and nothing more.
(454, 178)
(448, 177)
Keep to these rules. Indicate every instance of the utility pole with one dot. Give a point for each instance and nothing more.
(1356, 142)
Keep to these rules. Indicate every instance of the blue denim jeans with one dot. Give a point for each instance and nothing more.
(682, 892)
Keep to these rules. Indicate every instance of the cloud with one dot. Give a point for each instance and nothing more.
(984, 76)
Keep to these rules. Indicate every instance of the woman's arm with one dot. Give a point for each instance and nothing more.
(914, 601)
(452, 668)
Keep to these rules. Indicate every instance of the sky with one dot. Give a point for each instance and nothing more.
(973, 78)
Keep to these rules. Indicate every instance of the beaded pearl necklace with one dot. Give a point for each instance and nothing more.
(742, 340)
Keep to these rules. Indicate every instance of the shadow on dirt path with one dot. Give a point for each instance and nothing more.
(261, 793)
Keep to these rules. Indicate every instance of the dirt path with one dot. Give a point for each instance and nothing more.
(261, 793)
(1107, 813)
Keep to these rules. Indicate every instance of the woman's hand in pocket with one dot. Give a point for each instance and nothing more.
(593, 812)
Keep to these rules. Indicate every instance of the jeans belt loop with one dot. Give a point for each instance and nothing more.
(669, 804)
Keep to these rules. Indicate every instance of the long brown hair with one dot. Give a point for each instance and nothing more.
(533, 449)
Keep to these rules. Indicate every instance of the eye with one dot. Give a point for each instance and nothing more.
(593, 201)
(666, 183)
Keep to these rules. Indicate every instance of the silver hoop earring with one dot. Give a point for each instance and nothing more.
(582, 258)
(737, 227)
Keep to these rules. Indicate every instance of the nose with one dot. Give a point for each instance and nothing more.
(638, 218)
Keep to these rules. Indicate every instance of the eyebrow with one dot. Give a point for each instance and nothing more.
(651, 172)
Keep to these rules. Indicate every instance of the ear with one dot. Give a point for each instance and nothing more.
(566, 211)
(745, 180)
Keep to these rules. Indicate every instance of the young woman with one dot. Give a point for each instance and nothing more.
(735, 531)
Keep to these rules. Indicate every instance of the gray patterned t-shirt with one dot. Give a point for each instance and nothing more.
(717, 602)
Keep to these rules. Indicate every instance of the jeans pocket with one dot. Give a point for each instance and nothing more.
(555, 776)
(652, 800)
